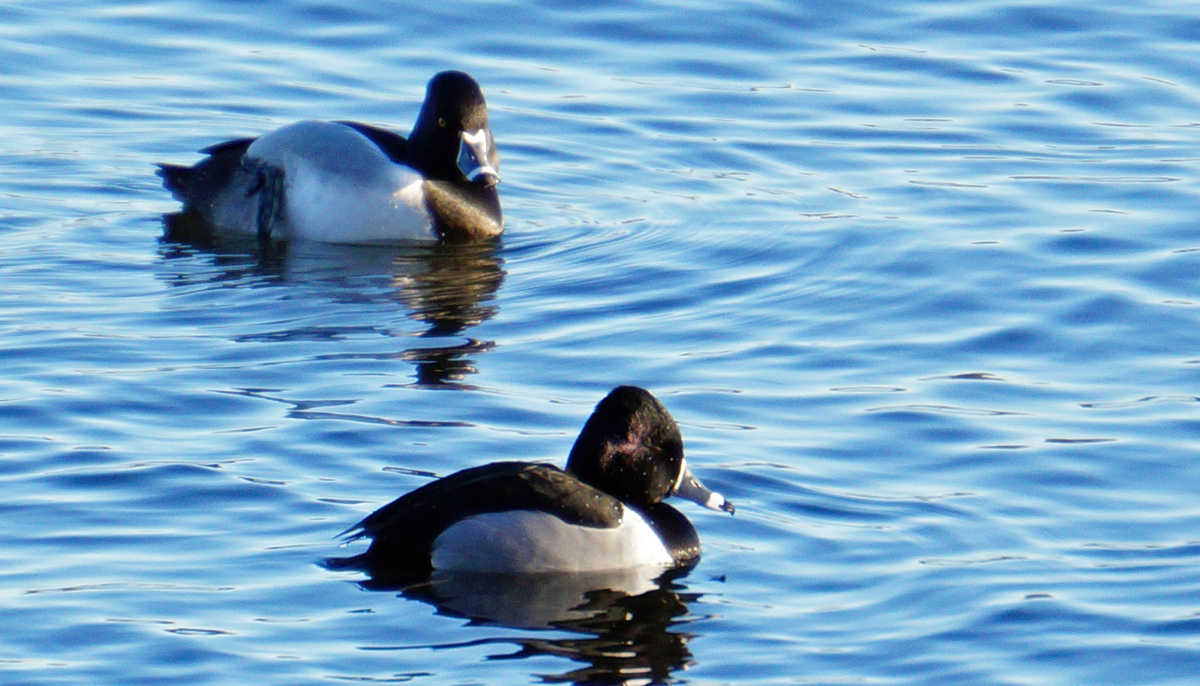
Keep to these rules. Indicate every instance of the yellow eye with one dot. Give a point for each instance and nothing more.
(442, 122)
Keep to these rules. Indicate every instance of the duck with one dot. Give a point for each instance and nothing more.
(603, 512)
(349, 182)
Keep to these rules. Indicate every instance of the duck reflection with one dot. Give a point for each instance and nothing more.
(625, 622)
(449, 288)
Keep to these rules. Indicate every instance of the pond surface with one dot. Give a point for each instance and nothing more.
(919, 280)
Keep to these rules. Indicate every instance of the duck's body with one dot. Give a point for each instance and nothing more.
(604, 512)
(344, 182)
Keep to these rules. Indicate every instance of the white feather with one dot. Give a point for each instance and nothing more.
(338, 187)
(530, 541)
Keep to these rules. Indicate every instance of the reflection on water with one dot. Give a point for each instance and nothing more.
(620, 623)
(448, 288)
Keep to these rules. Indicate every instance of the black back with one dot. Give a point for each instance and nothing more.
(404, 530)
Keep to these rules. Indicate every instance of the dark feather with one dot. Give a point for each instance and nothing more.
(199, 185)
(404, 530)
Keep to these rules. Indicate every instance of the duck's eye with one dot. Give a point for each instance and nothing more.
(442, 123)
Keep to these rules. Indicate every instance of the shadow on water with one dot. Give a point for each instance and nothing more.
(447, 288)
(621, 624)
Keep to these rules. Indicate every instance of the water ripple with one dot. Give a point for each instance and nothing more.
(917, 281)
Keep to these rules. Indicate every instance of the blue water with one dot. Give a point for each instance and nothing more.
(920, 281)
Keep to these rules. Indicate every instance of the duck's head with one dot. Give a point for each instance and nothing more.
(451, 140)
(631, 448)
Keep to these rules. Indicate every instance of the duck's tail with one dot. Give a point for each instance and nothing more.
(338, 564)
(176, 178)
(200, 183)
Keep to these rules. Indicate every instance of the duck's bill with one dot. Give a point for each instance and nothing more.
(689, 488)
(475, 158)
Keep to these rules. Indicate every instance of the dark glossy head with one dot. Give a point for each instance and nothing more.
(631, 448)
(451, 140)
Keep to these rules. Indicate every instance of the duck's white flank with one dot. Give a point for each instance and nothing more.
(529, 541)
(340, 187)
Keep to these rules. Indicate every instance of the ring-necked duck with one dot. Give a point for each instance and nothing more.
(345, 182)
(603, 512)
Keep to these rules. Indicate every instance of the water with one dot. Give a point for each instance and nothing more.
(919, 281)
